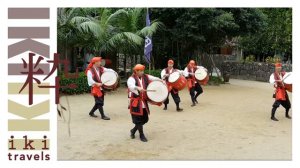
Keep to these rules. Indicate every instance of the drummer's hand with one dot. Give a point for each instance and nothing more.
(191, 73)
(140, 89)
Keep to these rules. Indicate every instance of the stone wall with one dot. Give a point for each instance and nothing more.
(251, 71)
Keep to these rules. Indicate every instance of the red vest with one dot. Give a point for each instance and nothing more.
(135, 106)
(280, 89)
(167, 78)
(96, 91)
(191, 78)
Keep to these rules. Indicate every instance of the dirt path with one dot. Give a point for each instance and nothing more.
(231, 122)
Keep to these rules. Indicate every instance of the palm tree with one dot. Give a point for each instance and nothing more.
(104, 29)
(132, 31)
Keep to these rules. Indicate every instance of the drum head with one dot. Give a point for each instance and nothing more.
(160, 92)
(200, 74)
(174, 77)
(109, 78)
(288, 77)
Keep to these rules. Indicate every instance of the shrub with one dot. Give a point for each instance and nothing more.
(250, 58)
(74, 85)
(155, 72)
(269, 60)
(214, 80)
(272, 60)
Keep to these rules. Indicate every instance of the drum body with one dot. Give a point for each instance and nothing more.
(177, 81)
(157, 92)
(109, 79)
(201, 76)
(288, 77)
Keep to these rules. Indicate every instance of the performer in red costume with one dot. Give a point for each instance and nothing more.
(165, 73)
(139, 109)
(94, 72)
(281, 96)
(193, 84)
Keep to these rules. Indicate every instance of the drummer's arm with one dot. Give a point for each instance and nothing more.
(91, 81)
(182, 72)
(131, 85)
(272, 80)
(185, 72)
(162, 74)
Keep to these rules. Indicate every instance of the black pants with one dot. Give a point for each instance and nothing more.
(198, 89)
(99, 103)
(139, 121)
(175, 96)
(286, 104)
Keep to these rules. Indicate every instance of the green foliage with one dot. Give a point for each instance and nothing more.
(189, 31)
(104, 30)
(274, 37)
(250, 59)
(272, 60)
(178, 33)
(80, 83)
(214, 80)
(155, 72)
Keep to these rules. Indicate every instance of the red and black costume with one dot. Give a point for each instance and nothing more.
(174, 92)
(281, 96)
(138, 106)
(193, 85)
(94, 76)
(97, 92)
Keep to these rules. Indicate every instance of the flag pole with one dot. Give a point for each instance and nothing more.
(150, 52)
(150, 65)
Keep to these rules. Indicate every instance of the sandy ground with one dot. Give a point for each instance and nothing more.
(231, 122)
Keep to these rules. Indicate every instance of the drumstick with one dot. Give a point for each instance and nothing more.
(286, 76)
(105, 81)
(283, 78)
(150, 90)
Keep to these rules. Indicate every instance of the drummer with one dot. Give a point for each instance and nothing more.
(193, 85)
(93, 72)
(281, 96)
(165, 73)
(139, 109)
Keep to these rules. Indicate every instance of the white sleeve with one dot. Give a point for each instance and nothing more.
(153, 78)
(131, 85)
(185, 72)
(272, 79)
(90, 79)
(163, 73)
(181, 71)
